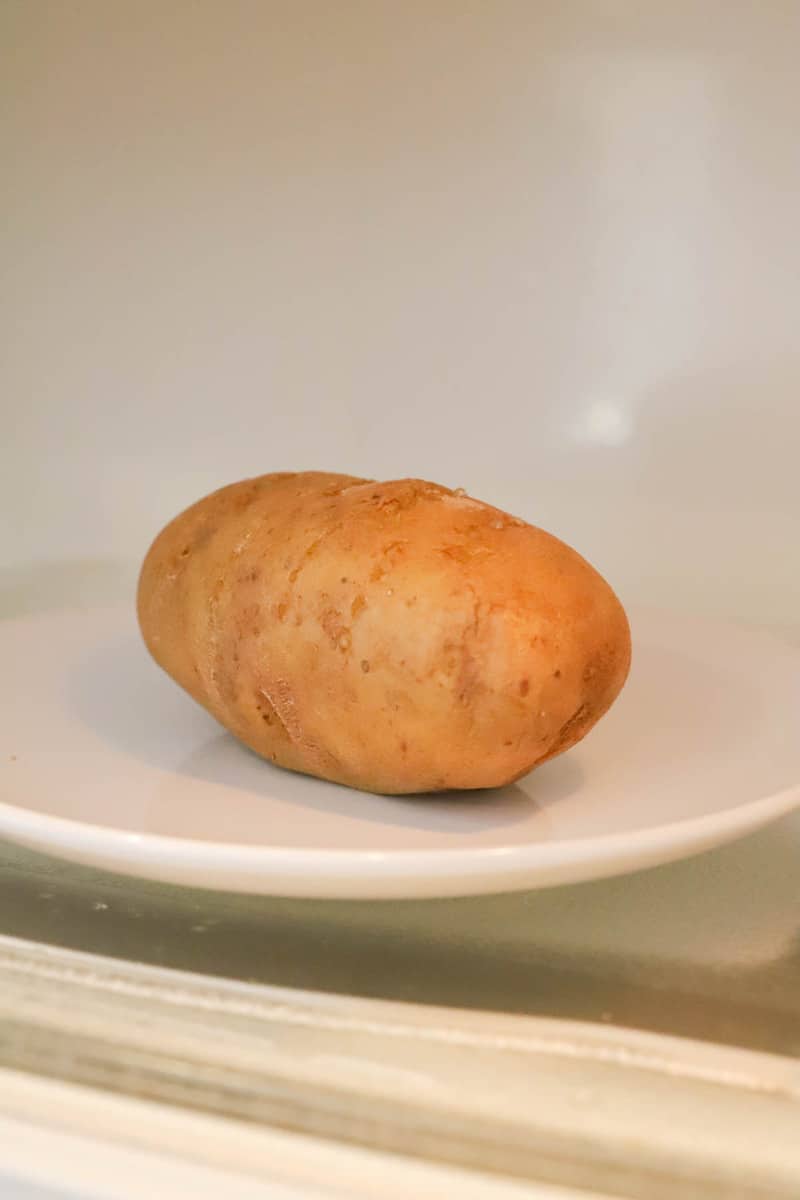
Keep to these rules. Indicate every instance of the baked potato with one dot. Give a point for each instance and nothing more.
(397, 637)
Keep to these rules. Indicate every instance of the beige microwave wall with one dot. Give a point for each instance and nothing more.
(547, 252)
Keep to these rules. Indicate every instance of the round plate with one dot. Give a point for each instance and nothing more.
(105, 761)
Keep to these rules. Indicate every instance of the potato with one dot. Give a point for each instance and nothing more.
(397, 637)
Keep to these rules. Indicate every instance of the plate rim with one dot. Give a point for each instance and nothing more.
(166, 847)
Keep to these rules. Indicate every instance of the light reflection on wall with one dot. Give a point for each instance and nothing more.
(604, 423)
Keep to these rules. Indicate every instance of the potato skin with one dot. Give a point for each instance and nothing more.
(397, 637)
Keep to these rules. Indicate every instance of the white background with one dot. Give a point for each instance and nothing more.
(548, 252)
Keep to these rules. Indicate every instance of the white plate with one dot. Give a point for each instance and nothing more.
(105, 761)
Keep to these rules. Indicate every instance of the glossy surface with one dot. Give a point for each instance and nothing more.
(114, 766)
(658, 950)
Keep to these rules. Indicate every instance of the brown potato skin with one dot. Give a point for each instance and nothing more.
(397, 637)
